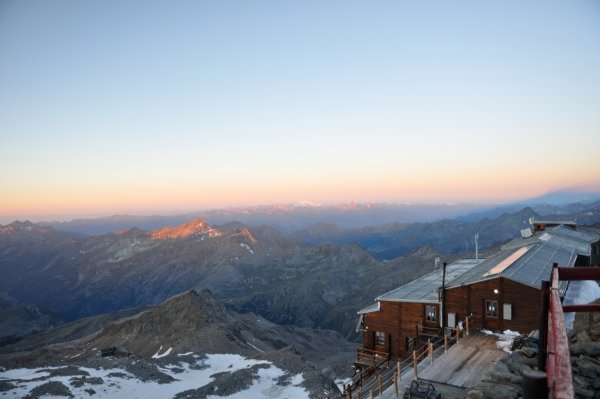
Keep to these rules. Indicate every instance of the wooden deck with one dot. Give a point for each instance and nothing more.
(452, 373)
(464, 364)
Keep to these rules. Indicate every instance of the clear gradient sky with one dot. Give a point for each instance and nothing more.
(140, 106)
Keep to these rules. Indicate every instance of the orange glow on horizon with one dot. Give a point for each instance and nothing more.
(492, 188)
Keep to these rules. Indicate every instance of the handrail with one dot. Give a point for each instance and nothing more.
(559, 367)
(554, 345)
(362, 384)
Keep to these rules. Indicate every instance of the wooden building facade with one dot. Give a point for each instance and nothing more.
(499, 293)
(397, 326)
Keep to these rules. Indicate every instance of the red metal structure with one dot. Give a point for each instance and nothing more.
(555, 345)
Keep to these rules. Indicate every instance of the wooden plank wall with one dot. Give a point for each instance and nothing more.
(525, 301)
(398, 320)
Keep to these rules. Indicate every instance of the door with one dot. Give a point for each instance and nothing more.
(491, 313)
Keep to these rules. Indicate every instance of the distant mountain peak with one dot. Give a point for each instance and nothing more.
(193, 227)
(18, 226)
(125, 232)
(565, 197)
(246, 234)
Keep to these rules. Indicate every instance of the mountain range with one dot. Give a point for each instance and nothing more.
(316, 277)
(255, 269)
(286, 300)
(293, 217)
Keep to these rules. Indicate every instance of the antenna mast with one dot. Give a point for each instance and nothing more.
(476, 247)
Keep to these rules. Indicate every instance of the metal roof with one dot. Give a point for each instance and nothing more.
(530, 269)
(369, 309)
(560, 245)
(525, 260)
(424, 289)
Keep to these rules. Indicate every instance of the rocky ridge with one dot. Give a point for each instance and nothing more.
(190, 331)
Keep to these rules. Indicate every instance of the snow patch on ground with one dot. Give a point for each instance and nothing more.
(258, 349)
(341, 383)
(118, 383)
(580, 293)
(505, 339)
(158, 355)
(246, 246)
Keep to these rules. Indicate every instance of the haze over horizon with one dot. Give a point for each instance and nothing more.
(150, 106)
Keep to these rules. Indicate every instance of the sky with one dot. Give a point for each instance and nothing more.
(160, 106)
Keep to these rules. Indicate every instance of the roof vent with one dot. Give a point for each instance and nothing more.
(526, 233)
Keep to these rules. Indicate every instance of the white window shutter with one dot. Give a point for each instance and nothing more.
(507, 311)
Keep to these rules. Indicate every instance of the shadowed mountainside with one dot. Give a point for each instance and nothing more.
(256, 269)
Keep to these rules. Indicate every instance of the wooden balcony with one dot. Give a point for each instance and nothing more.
(367, 358)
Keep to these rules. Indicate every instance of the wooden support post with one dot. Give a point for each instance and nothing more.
(543, 339)
(534, 384)
(445, 343)
(429, 349)
(457, 334)
(358, 395)
(415, 364)
(398, 369)
(467, 325)
(372, 395)
(379, 385)
(431, 352)
(396, 382)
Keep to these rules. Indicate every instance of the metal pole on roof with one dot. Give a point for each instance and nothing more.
(476, 247)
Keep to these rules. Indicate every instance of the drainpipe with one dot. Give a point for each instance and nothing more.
(444, 298)
(476, 247)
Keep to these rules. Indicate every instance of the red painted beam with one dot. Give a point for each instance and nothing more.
(581, 308)
(579, 273)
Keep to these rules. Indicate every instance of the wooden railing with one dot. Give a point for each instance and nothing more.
(371, 381)
(554, 356)
(370, 358)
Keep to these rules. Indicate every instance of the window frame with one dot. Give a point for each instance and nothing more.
(491, 304)
(379, 338)
(428, 309)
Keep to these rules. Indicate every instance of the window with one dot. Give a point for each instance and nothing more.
(491, 308)
(430, 313)
(379, 338)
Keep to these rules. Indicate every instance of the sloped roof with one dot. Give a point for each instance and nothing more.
(530, 268)
(369, 309)
(560, 245)
(424, 289)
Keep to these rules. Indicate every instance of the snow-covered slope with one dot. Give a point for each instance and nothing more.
(189, 376)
